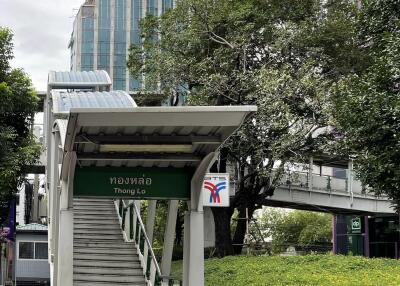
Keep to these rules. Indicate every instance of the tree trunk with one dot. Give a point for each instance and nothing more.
(223, 240)
(240, 232)
(222, 215)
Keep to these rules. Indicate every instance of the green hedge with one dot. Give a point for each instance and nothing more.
(321, 270)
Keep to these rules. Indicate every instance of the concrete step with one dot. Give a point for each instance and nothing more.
(115, 238)
(93, 208)
(81, 239)
(103, 250)
(79, 225)
(94, 203)
(107, 264)
(106, 270)
(90, 243)
(83, 217)
(95, 222)
(100, 255)
(106, 257)
(87, 283)
(108, 278)
(94, 211)
(92, 200)
(100, 231)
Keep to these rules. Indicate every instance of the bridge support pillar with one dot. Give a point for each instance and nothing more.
(334, 234)
(366, 236)
(310, 174)
(169, 239)
(193, 256)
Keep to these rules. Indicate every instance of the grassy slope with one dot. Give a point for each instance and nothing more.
(321, 270)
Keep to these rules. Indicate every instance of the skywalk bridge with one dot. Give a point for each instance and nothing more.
(301, 190)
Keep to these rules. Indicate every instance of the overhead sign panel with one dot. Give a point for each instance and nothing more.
(133, 182)
(216, 190)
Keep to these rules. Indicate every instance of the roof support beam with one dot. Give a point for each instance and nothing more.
(148, 139)
(161, 157)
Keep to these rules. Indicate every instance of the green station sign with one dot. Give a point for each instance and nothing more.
(135, 182)
(356, 225)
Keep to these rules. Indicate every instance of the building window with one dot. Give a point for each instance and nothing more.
(26, 250)
(32, 250)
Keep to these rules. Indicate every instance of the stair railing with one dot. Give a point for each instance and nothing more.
(137, 232)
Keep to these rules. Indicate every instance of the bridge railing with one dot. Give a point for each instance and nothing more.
(322, 182)
(134, 230)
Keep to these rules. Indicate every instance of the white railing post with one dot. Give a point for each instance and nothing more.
(128, 211)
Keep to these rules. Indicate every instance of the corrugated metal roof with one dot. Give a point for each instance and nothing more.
(82, 79)
(63, 101)
(32, 227)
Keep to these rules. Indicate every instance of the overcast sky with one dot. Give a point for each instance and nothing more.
(42, 29)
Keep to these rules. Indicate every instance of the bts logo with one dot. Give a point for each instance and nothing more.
(216, 190)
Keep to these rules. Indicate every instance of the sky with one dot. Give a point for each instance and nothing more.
(42, 29)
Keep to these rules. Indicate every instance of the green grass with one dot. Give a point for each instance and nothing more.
(321, 270)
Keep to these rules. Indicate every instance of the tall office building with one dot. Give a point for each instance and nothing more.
(102, 33)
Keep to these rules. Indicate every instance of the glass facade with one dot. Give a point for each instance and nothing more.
(119, 61)
(87, 43)
(374, 236)
(111, 54)
(384, 237)
(152, 8)
(103, 45)
(136, 15)
(166, 4)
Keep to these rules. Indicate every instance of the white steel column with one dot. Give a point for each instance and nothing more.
(134, 217)
(65, 246)
(194, 269)
(196, 248)
(128, 217)
(53, 181)
(151, 215)
(186, 254)
(169, 236)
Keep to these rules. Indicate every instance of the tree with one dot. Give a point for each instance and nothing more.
(280, 55)
(367, 103)
(18, 104)
(302, 229)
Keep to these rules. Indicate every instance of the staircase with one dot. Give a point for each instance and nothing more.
(101, 257)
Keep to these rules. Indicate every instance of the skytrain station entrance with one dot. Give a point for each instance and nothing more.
(101, 146)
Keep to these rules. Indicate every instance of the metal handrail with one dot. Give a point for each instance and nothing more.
(143, 230)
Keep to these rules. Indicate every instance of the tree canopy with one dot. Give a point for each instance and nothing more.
(18, 104)
(301, 229)
(367, 102)
(282, 56)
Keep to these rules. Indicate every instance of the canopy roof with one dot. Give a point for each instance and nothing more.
(32, 227)
(79, 80)
(149, 136)
(63, 101)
